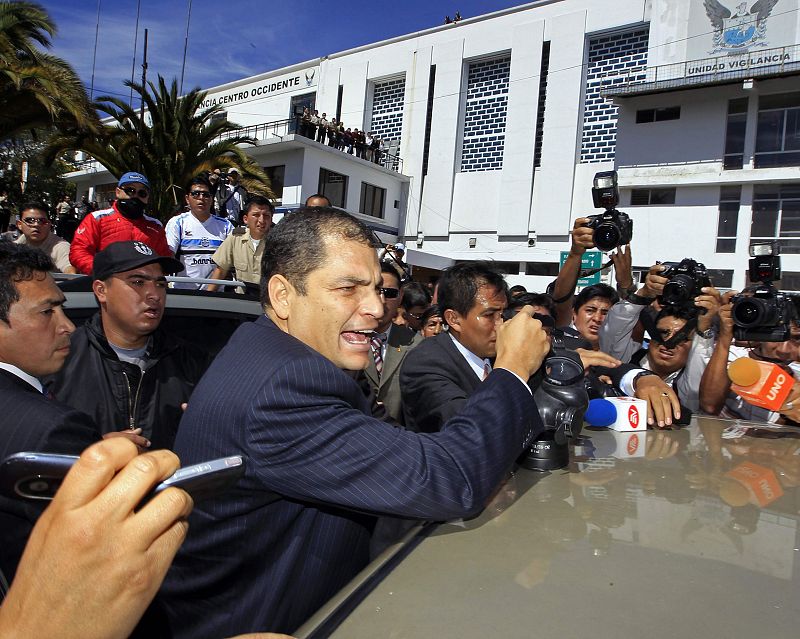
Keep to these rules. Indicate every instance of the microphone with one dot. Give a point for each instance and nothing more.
(600, 413)
(617, 413)
(759, 383)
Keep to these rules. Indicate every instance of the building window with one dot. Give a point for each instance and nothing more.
(372, 200)
(729, 199)
(387, 112)
(276, 175)
(544, 269)
(644, 116)
(652, 197)
(219, 116)
(485, 115)
(539, 136)
(778, 133)
(734, 134)
(333, 186)
(776, 215)
(614, 59)
(790, 281)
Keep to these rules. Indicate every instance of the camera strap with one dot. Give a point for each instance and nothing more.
(593, 271)
(649, 323)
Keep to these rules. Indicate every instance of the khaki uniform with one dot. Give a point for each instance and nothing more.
(237, 253)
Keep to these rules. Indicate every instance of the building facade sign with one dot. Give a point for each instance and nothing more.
(290, 82)
(728, 35)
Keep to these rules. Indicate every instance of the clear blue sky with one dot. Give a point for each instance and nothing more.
(231, 39)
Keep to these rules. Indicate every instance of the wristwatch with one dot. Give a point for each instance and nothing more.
(706, 334)
(625, 293)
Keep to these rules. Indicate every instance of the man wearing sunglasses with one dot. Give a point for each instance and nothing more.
(126, 220)
(390, 345)
(195, 235)
(34, 226)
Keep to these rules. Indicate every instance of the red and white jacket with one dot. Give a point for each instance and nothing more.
(101, 228)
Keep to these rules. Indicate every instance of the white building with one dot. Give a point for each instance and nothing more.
(501, 121)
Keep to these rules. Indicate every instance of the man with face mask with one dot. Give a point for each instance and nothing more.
(124, 221)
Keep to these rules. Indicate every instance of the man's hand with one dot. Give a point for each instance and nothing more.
(93, 563)
(522, 344)
(710, 300)
(134, 435)
(662, 402)
(654, 282)
(726, 317)
(582, 236)
(597, 358)
(622, 266)
(791, 407)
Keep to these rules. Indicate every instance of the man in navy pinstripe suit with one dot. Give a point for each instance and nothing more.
(276, 394)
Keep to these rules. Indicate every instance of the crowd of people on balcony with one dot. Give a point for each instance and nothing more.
(363, 144)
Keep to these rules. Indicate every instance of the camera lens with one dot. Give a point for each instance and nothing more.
(749, 312)
(606, 236)
(678, 290)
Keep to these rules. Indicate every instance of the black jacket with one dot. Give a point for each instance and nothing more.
(118, 395)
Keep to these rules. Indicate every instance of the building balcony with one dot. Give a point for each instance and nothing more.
(692, 74)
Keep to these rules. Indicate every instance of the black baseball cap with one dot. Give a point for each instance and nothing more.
(125, 256)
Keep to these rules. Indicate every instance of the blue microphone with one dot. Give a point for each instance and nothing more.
(600, 412)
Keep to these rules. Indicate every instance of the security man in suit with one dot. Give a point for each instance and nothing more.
(390, 345)
(34, 342)
(297, 526)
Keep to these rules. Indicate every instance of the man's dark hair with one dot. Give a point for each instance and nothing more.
(516, 290)
(415, 294)
(603, 291)
(17, 264)
(386, 267)
(34, 205)
(258, 200)
(534, 299)
(678, 312)
(459, 285)
(297, 244)
(316, 195)
(200, 179)
(432, 311)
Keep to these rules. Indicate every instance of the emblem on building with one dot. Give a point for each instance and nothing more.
(310, 76)
(738, 31)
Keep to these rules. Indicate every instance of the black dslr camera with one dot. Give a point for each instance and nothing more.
(686, 279)
(761, 313)
(612, 228)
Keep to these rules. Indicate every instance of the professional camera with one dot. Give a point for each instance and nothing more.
(761, 313)
(562, 401)
(612, 228)
(686, 279)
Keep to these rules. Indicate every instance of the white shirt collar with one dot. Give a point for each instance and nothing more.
(23, 376)
(475, 363)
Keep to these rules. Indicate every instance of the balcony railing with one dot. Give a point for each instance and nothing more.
(706, 71)
(280, 128)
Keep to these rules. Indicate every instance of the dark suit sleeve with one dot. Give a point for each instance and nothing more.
(431, 394)
(615, 374)
(307, 443)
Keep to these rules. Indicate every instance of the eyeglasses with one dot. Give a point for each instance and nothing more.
(131, 191)
(390, 293)
(199, 194)
(414, 315)
(34, 221)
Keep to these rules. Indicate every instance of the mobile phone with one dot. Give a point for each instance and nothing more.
(38, 476)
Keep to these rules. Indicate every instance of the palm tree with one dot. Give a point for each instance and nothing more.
(36, 89)
(175, 141)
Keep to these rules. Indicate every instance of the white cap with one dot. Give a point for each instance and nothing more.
(400, 246)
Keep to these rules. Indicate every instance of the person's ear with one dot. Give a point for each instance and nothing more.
(453, 320)
(99, 288)
(281, 295)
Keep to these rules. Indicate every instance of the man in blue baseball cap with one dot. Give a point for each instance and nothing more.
(126, 220)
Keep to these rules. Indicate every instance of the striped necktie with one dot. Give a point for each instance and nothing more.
(486, 370)
(377, 350)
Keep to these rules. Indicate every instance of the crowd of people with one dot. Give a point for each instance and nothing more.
(363, 144)
(360, 399)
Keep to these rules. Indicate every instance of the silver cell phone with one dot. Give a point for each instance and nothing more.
(38, 476)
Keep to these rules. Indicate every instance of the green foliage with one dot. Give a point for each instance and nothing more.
(45, 183)
(175, 141)
(36, 89)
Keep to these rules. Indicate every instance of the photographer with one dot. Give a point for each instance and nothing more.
(716, 396)
(682, 341)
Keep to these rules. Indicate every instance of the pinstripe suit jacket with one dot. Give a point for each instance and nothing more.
(31, 422)
(250, 563)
